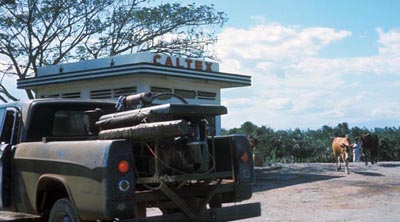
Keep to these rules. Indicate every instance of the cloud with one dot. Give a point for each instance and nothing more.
(293, 86)
(390, 42)
(274, 42)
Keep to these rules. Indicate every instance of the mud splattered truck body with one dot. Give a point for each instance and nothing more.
(86, 160)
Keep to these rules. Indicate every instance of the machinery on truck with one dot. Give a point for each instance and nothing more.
(88, 160)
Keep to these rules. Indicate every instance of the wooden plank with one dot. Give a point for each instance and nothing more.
(17, 216)
(177, 200)
(157, 195)
(236, 212)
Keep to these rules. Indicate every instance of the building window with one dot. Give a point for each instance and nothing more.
(50, 96)
(101, 94)
(75, 95)
(112, 93)
(124, 91)
(161, 90)
(187, 94)
(206, 95)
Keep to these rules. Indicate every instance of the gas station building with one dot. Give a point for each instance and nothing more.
(198, 81)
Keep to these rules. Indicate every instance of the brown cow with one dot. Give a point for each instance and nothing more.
(371, 143)
(341, 148)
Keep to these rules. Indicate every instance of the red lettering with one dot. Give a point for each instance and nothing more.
(178, 64)
(208, 66)
(198, 65)
(155, 59)
(168, 61)
(188, 62)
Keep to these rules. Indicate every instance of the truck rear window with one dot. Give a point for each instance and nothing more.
(68, 123)
(60, 120)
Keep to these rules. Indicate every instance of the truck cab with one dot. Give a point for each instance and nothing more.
(31, 122)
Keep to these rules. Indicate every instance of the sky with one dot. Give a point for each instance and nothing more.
(312, 62)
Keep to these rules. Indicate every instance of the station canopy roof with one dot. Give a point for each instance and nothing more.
(138, 64)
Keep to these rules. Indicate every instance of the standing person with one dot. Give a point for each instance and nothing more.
(357, 150)
(258, 158)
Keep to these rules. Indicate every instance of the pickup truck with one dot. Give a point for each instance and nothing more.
(92, 160)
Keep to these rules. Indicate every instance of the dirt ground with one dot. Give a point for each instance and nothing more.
(316, 192)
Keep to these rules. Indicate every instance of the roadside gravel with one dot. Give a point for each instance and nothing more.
(314, 192)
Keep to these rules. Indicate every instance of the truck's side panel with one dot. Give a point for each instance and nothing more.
(81, 166)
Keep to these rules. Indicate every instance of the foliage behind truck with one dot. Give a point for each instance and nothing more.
(85, 160)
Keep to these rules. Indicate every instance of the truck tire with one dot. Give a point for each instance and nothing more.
(63, 211)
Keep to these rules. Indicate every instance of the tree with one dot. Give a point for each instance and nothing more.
(248, 127)
(342, 129)
(36, 33)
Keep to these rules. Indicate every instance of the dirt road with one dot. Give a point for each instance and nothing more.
(316, 192)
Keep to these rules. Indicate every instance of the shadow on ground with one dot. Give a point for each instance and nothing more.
(388, 165)
(289, 176)
(369, 174)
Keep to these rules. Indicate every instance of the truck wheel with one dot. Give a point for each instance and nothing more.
(63, 211)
